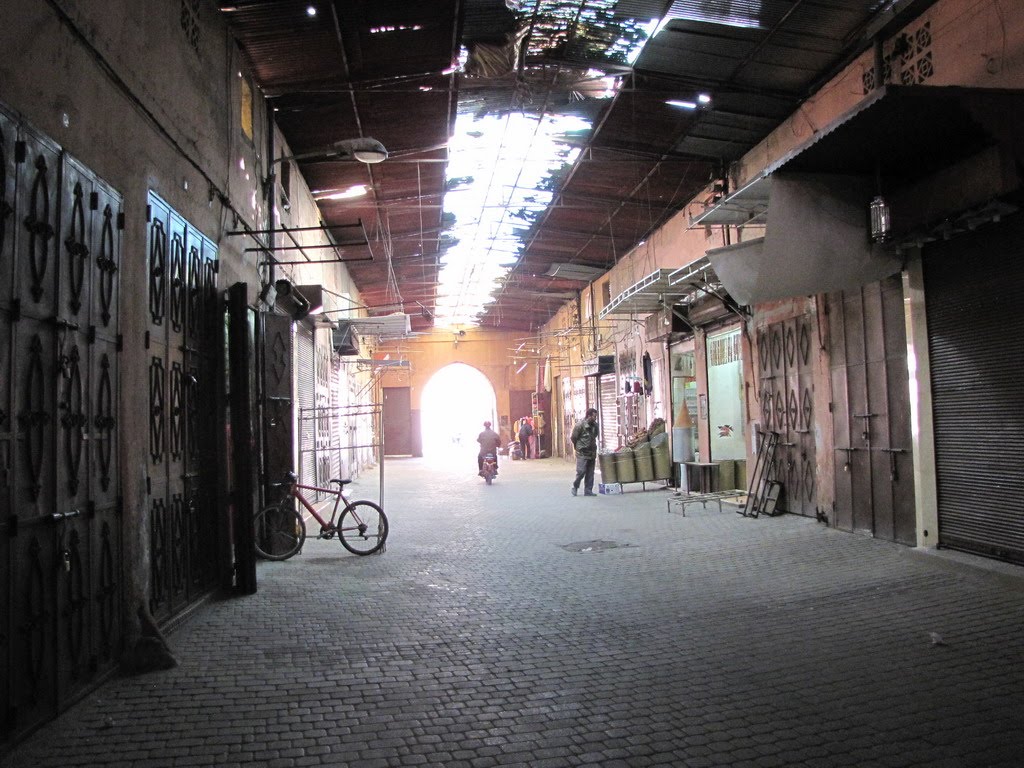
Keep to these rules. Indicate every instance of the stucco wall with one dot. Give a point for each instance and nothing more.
(493, 354)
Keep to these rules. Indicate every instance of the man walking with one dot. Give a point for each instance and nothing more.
(584, 442)
(525, 430)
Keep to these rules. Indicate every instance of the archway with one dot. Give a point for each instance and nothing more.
(455, 403)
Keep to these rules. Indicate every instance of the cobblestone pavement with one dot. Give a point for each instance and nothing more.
(516, 625)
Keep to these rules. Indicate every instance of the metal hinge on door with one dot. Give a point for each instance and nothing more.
(866, 434)
(5, 462)
(893, 475)
(849, 456)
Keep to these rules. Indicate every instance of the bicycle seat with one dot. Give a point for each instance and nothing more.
(341, 482)
(289, 478)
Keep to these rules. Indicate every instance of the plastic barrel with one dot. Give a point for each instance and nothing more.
(644, 464)
(662, 457)
(608, 473)
(624, 467)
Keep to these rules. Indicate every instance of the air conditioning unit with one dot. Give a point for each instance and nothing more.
(344, 340)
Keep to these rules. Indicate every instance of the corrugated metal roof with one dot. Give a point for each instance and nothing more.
(370, 68)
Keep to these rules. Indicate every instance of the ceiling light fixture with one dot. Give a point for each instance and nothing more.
(311, 10)
(363, 149)
(881, 221)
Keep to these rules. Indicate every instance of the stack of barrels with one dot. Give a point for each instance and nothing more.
(646, 457)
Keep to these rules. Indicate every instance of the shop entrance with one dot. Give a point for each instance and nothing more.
(455, 403)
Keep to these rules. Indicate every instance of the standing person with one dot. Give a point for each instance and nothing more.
(584, 442)
(525, 430)
(489, 441)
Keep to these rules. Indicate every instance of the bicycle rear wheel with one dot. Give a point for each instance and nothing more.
(362, 528)
(280, 531)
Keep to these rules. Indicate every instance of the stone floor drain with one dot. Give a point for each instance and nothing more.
(598, 545)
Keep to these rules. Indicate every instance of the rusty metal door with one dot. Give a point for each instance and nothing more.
(341, 428)
(60, 511)
(8, 224)
(785, 376)
(397, 421)
(278, 413)
(874, 480)
(322, 405)
(182, 340)
(305, 399)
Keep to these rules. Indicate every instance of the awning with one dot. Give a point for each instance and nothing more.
(599, 366)
(648, 295)
(397, 325)
(744, 207)
(908, 131)
(673, 289)
(931, 151)
(815, 241)
(895, 136)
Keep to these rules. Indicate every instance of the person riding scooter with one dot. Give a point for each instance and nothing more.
(489, 441)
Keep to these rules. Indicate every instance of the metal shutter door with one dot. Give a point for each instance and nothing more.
(609, 412)
(974, 290)
(305, 395)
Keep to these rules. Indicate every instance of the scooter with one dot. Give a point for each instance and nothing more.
(490, 468)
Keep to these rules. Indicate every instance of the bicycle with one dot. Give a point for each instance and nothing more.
(362, 527)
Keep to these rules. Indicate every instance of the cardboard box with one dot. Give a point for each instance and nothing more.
(609, 488)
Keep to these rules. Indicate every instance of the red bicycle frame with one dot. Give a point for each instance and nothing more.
(296, 492)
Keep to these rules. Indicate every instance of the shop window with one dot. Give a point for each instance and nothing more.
(684, 392)
(725, 395)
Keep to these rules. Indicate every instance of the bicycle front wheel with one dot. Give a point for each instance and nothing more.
(362, 528)
(280, 531)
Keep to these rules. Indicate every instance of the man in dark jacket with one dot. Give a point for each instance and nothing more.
(525, 430)
(489, 442)
(584, 442)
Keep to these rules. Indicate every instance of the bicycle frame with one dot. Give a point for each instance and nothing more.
(328, 528)
(296, 492)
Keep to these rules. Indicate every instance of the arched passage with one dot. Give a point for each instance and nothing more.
(455, 403)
